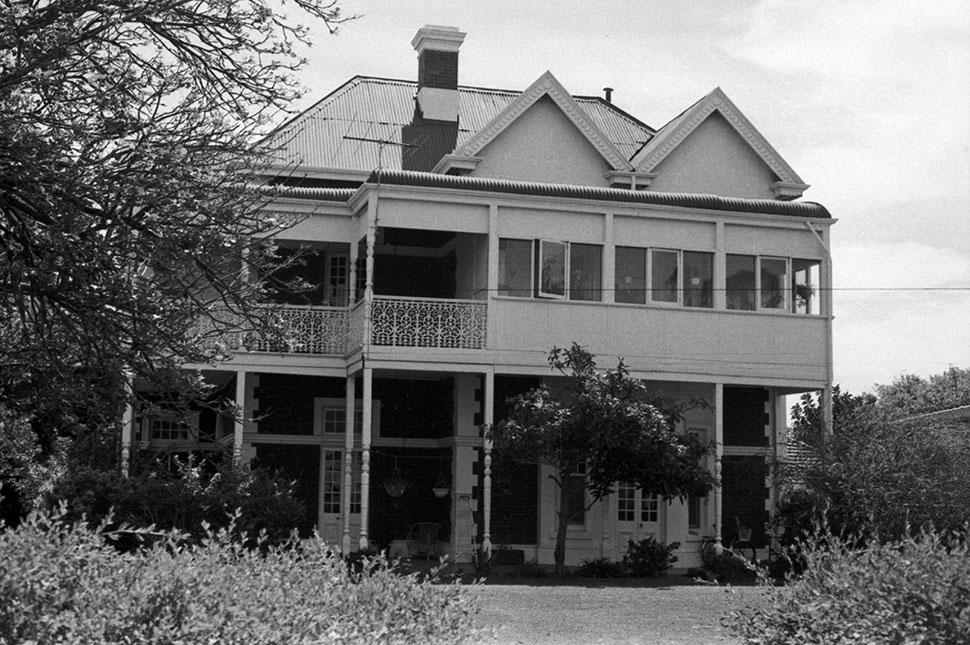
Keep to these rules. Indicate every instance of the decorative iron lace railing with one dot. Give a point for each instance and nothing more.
(303, 330)
(292, 329)
(428, 322)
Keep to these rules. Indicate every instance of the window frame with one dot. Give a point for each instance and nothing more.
(539, 273)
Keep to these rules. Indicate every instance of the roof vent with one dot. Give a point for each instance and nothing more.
(608, 91)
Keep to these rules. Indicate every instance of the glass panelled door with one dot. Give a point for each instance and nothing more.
(331, 518)
(637, 515)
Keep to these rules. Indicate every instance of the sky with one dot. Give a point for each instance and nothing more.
(869, 101)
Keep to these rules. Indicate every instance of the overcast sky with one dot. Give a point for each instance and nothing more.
(869, 101)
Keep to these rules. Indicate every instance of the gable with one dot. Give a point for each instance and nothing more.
(715, 159)
(542, 144)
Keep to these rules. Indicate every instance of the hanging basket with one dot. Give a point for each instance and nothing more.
(395, 485)
(441, 487)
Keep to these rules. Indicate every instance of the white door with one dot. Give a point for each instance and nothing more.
(637, 516)
(330, 522)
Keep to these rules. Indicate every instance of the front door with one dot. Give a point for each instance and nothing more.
(637, 516)
(331, 519)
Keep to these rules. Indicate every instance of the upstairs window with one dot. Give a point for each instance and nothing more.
(550, 269)
(698, 279)
(740, 282)
(774, 280)
(664, 275)
(515, 268)
(631, 275)
(805, 282)
(772, 284)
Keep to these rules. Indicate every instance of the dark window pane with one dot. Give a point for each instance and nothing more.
(698, 279)
(740, 282)
(585, 272)
(805, 282)
(515, 268)
(663, 276)
(631, 274)
(773, 282)
(552, 269)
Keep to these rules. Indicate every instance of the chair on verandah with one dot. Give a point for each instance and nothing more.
(422, 538)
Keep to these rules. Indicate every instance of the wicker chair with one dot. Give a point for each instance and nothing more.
(422, 539)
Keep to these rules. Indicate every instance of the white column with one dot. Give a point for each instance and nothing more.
(826, 302)
(365, 455)
(609, 259)
(348, 459)
(239, 424)
(718, 454)
(369, 268)
(127, 424)
(492, 280)
(489, 418)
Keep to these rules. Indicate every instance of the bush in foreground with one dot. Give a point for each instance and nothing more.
(61, 583)
(916, 590)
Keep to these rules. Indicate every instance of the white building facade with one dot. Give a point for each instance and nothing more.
(457, 234)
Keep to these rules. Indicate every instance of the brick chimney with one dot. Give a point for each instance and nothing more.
(433, 131)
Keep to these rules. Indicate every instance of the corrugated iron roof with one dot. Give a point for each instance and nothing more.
(687, 200)
(376, 108)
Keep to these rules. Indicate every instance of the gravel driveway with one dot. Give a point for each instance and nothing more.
(591, 613)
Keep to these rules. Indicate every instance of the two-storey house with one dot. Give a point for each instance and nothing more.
(457, 234)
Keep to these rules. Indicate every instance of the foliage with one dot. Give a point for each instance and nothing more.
(601, 568)
(60, 583)
(911, 591)
(131, 147)
(601, 424)
(532, 569)
(724, 564)
(908, 395)
(649, 558)
(187, 500)
(876, 475)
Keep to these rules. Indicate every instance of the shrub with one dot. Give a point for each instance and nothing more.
(601, 568)
(725, 564)
(649, 558)
(60, 583)
(184, 500)
(914, 591)
(532, 569)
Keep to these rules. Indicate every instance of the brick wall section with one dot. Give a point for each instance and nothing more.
(438, 69)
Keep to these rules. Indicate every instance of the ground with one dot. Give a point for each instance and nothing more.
(663, 611)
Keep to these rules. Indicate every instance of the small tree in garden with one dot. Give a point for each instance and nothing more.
(602, 424)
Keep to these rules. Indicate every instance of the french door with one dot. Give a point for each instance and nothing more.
(637, 515)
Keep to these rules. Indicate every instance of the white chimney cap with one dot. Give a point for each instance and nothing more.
(438, 38)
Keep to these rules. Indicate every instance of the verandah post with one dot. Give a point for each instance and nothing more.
(348, 460)
(365, 456)
(489, 419)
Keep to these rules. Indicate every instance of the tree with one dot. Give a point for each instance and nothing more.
(909, 395)
(878, 475)
(601, 424)
(130, 152)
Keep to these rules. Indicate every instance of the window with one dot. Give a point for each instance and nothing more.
(335, 420)
(774, 280)
(664, 275)
(331, 481)
(333, 474)
(649, 508)
(740, 282)
(805, 281)
(585, 272)
(549, 269)
(337, 277)
(698, 279)
(515, 268)
(631, 275)
(574, 501)
(552, 269)
(626, 504)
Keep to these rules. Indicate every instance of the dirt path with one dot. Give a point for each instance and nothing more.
(522, 613)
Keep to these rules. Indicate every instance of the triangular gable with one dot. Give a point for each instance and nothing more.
(545, 85)
(672, 134)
